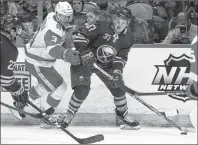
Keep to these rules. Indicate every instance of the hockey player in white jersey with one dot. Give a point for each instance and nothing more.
(42, 52)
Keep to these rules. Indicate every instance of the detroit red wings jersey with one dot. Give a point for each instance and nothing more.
(109, 48)
(45, 39)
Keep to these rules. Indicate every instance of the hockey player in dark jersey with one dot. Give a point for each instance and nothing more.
(9, 54)
(107, 44)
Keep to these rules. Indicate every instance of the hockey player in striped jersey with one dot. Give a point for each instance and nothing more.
(108, 44)
(42, 52)
(9, 54)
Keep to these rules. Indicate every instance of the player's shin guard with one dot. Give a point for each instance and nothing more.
(52, 101)
(78, 97)
(123, 118)
(50, 106)
(20, 96)
(37, 91)
(74, 106)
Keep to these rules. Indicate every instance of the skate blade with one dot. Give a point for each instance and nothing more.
(125, 127)
(46, 126)
(16, 114)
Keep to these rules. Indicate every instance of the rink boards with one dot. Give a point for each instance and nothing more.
(150, 68)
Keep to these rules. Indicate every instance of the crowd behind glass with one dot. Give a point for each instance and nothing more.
(146, 30)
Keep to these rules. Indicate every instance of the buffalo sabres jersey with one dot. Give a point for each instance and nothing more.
(45, 39)
(109, 47)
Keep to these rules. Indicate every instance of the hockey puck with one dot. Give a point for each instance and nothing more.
(183, 133)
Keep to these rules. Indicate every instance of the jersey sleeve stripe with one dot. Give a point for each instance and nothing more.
(38, 58)
(6, 77)
(6, 82)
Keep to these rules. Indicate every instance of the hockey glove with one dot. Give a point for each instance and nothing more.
(21, 96)
(71, 56)
(192, 91)
(88, 59)
(20, 101)
(117, 78)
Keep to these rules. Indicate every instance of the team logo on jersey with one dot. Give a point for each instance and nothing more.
(81, 78)
(22, 75)
(106, 54)
(174, 75)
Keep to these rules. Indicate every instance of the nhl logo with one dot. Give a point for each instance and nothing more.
(105, 54)
(174, 75)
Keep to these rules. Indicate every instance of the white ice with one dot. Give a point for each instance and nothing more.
(112, 135)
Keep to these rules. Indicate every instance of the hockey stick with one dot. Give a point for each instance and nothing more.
(89, 140)
(134, 95)
(34, 115)
(21, 111)
(133, 92)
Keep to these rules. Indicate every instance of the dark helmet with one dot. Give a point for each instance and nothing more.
(124, 12)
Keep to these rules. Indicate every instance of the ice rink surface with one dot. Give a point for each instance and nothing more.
(112, 135)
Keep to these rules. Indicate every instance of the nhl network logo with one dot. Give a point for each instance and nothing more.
(174, 75)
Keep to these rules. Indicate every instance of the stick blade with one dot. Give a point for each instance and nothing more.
(92, 139)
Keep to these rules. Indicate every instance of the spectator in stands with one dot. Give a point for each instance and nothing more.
(192, 7)
(164, 9)
(103, 4)
(169, 6)
(184, 31)
(79, 14)
(89, 6)
(92, 16)
(27, 11)
(78, 6)
(179, 7)
(12, 9)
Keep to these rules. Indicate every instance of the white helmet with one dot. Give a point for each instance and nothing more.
(64, 8)
(64, 13)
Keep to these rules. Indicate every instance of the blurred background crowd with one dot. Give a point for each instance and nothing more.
(152, 22)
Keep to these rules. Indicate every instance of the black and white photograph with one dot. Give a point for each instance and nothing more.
(98, 71)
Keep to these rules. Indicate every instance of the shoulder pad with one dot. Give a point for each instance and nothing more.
(53, 25)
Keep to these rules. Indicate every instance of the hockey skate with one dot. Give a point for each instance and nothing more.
(66, 119)
(45, 125)
(126, 122)
(52, 117)
(17, 114)
(20, 105)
